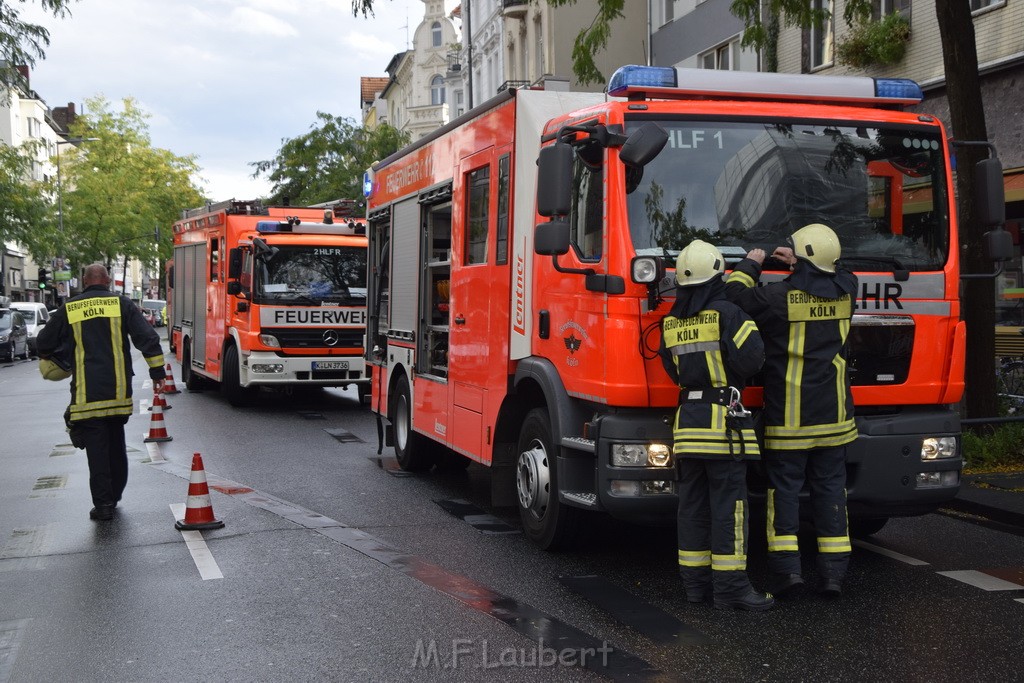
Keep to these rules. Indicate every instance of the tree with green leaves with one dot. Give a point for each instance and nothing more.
(22, 42)
(120, 195)
(24, 204)
(328, 162)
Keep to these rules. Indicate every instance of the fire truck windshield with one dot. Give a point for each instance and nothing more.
(312, 274)
(742, 185)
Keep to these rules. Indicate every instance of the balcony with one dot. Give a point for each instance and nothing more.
(514, 9)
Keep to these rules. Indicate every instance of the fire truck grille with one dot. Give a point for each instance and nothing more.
(314, 339)
(880, 354)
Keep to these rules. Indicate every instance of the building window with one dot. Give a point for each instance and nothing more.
(822, 38)
(719, 58)
(883, 8)
(983, 4)
(435, 34)
(436, 90)
(669, 11)
(538, 39)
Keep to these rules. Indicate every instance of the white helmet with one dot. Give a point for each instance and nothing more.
(817, 244)
(698, 263)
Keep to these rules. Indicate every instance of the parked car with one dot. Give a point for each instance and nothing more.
(159, 307)
(13, 335)
(35, 315)
(149, 314)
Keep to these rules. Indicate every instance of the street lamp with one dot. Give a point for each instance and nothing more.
(60, 189)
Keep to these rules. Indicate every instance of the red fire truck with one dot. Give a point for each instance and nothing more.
(531, 348)
(269, 296)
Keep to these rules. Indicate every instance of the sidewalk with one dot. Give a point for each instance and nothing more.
(997, 495)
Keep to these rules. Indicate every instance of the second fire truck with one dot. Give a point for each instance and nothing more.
(269, 297)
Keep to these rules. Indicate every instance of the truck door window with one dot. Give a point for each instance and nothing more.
(586, 214)
(503, 191)
(214, 260)
(477, 215)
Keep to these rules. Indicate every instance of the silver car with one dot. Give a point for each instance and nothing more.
(35, 315)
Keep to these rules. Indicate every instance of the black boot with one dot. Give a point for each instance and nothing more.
(749, 602)
(102, 513)
(830, 588)
(782, 585)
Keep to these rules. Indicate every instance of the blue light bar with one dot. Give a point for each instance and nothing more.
(634, 76)
(367, 184)
(898, 89)
(272, 226)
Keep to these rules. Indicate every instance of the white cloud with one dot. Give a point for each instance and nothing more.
(257, 23)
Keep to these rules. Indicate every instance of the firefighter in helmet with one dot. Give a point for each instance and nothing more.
(709, 347)
(808, 407)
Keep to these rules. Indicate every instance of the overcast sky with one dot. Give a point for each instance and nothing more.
(225, 80)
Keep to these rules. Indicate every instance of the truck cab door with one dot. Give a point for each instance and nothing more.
(471, 347)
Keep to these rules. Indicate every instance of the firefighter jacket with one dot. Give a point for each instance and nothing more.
(805, 322)
(708, 344)
(92, 330)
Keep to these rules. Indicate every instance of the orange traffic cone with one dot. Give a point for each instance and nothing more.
(157, 430)
(159, 400)
(169, 386)
(198, 509)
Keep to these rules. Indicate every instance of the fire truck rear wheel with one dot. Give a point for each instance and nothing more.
(193, 382)
(412, 450)
(546, 521)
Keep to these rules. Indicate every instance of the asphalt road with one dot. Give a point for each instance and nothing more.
(332, 565)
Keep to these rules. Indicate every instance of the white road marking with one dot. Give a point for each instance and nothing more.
(889, 553)
(201, 554)
(1020, 600)
(982, 580)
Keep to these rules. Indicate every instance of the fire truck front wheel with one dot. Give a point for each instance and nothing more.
(412, 450)
(230, 387)
(546, 521)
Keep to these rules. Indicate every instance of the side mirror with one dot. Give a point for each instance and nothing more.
(234, 288)
(643, 144)
(554, 180)
(234, 264)
(989, 195)
(999, 245)
(551, 238)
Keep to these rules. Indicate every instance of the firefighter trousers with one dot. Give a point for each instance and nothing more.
(824, 470)
(108, 459)
(712, 527)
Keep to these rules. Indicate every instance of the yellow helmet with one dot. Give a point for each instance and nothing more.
(817, 244)
(52, 371)
(698, 263)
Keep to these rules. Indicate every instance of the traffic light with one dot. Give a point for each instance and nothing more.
(44, 278)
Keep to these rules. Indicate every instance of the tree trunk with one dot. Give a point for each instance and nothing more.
(967, 119)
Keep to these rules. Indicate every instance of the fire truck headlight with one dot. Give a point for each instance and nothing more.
(938, 480)
(268, 368)
(646, 269)
(939, 448)
(641, 455)
(270, 340)
(659, 455)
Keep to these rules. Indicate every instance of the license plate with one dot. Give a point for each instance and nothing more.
(330, 365)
